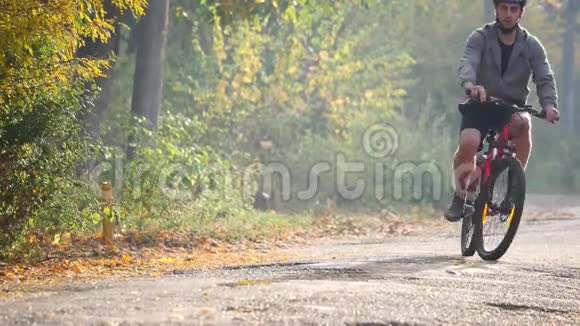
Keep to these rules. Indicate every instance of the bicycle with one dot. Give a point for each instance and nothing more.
(500, 187)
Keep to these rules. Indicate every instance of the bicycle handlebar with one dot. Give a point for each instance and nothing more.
(513, 108)
(516, 108)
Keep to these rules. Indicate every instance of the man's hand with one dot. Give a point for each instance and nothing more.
(552, 114)
(476, 92)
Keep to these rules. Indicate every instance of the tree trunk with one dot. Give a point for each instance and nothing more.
(151, 42)
(568, 53)
(489, 11)
(91, 117)
(205, 34)
(148, 82)
(99, 50)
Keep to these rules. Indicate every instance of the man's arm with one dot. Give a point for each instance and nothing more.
(469, 62)
(543, 76)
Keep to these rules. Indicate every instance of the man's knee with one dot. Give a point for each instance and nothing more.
(522, 125)
(469, 141)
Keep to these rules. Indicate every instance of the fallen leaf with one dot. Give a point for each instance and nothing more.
(243, 282)
(56, 240)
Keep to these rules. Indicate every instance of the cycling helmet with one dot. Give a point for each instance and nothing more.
(522, 3)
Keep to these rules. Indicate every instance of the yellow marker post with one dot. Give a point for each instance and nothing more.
(107, 202)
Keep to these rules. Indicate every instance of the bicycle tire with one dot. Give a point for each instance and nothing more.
(468, 247)
(467, 243)
(517, 190)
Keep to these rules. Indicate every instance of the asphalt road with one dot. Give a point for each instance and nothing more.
(406, 280)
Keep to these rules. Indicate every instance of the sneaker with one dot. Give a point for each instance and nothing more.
(457, 209)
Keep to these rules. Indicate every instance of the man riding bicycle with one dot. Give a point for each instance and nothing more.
(498, 60)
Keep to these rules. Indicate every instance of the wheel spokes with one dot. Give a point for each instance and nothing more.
(496, 214)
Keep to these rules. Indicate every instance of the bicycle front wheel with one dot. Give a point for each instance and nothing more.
(467, 232)
(499, 208)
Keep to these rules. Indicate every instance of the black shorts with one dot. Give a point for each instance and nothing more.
(483, 118)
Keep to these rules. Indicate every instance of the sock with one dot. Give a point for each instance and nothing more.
(471, 195)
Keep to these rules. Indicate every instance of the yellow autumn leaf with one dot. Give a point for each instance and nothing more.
(32, 239)
(337, 102)
(292, 70)
(221, 88)
(245, 282)
(248, 78)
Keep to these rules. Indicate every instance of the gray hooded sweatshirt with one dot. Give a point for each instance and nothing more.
(481, 65)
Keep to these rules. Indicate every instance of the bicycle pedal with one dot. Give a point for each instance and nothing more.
(467, 211)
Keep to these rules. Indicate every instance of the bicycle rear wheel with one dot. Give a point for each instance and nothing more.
(499, 208)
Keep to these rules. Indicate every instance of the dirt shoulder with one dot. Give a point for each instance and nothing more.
(87, 260)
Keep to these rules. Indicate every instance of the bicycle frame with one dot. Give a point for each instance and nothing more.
(499, 145)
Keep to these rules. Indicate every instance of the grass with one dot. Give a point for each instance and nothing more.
(251, 225)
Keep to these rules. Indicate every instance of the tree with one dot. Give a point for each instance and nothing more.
(152, 39)
(568, 55)
(104, 50)
(148, 82)
(41, 93)
(40, 40)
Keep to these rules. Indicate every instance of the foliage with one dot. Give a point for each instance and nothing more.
(41, 97)
(319, 69)
(39, 42)
(39, 151)
(172, 175)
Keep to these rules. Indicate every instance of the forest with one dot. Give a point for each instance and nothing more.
(252, 116)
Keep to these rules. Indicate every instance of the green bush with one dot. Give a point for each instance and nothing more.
(40, 146)
(172, 175)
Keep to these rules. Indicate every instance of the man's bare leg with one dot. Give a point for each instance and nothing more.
(521, 132)
(463, 169)
(464, 160)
